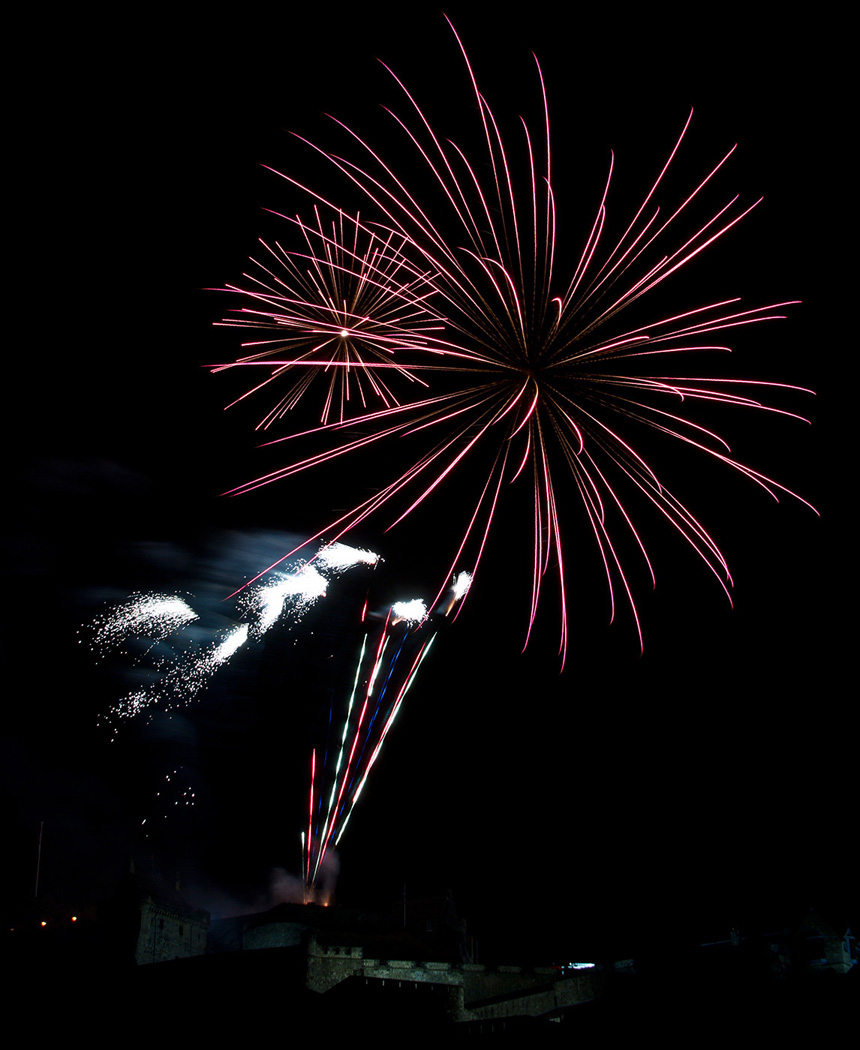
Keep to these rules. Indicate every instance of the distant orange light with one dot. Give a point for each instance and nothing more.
(74, 918)
(43, 923)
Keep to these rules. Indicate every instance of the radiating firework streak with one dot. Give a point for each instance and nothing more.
(542, 375)
(344, 306)
(261, 607)
(386, 669)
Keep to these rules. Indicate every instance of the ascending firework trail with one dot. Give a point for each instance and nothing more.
(392, 649)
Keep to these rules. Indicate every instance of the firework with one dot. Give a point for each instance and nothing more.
(265, 604)
(389, 658)
(153, 616)
(182, 675)
(183, 679)
(336, 557)
(345, 307)
(539, 377)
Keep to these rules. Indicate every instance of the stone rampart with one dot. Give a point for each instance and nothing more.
(480, 992)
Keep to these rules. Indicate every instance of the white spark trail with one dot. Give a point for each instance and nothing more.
(153, 615)
(156, 616)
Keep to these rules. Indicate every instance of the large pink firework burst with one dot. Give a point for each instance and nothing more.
(539, 371)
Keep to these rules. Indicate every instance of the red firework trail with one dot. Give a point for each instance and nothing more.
(533, 370)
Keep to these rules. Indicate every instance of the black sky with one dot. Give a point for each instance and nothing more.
(700, 785)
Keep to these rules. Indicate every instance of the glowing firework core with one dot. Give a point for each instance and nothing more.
(410, 612)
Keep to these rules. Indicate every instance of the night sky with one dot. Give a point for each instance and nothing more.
(629, 799)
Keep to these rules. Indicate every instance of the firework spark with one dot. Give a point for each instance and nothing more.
(539, 376)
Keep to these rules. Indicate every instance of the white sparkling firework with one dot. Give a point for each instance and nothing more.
(462, 583)
(339, 556)
(154, 616)
(411, 612)
(185, 678)
(265, 604)
(234, 640)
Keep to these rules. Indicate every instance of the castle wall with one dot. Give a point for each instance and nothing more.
(477, 992)
(164, 935)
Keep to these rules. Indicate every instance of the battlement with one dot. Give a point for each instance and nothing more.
(476, 992)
